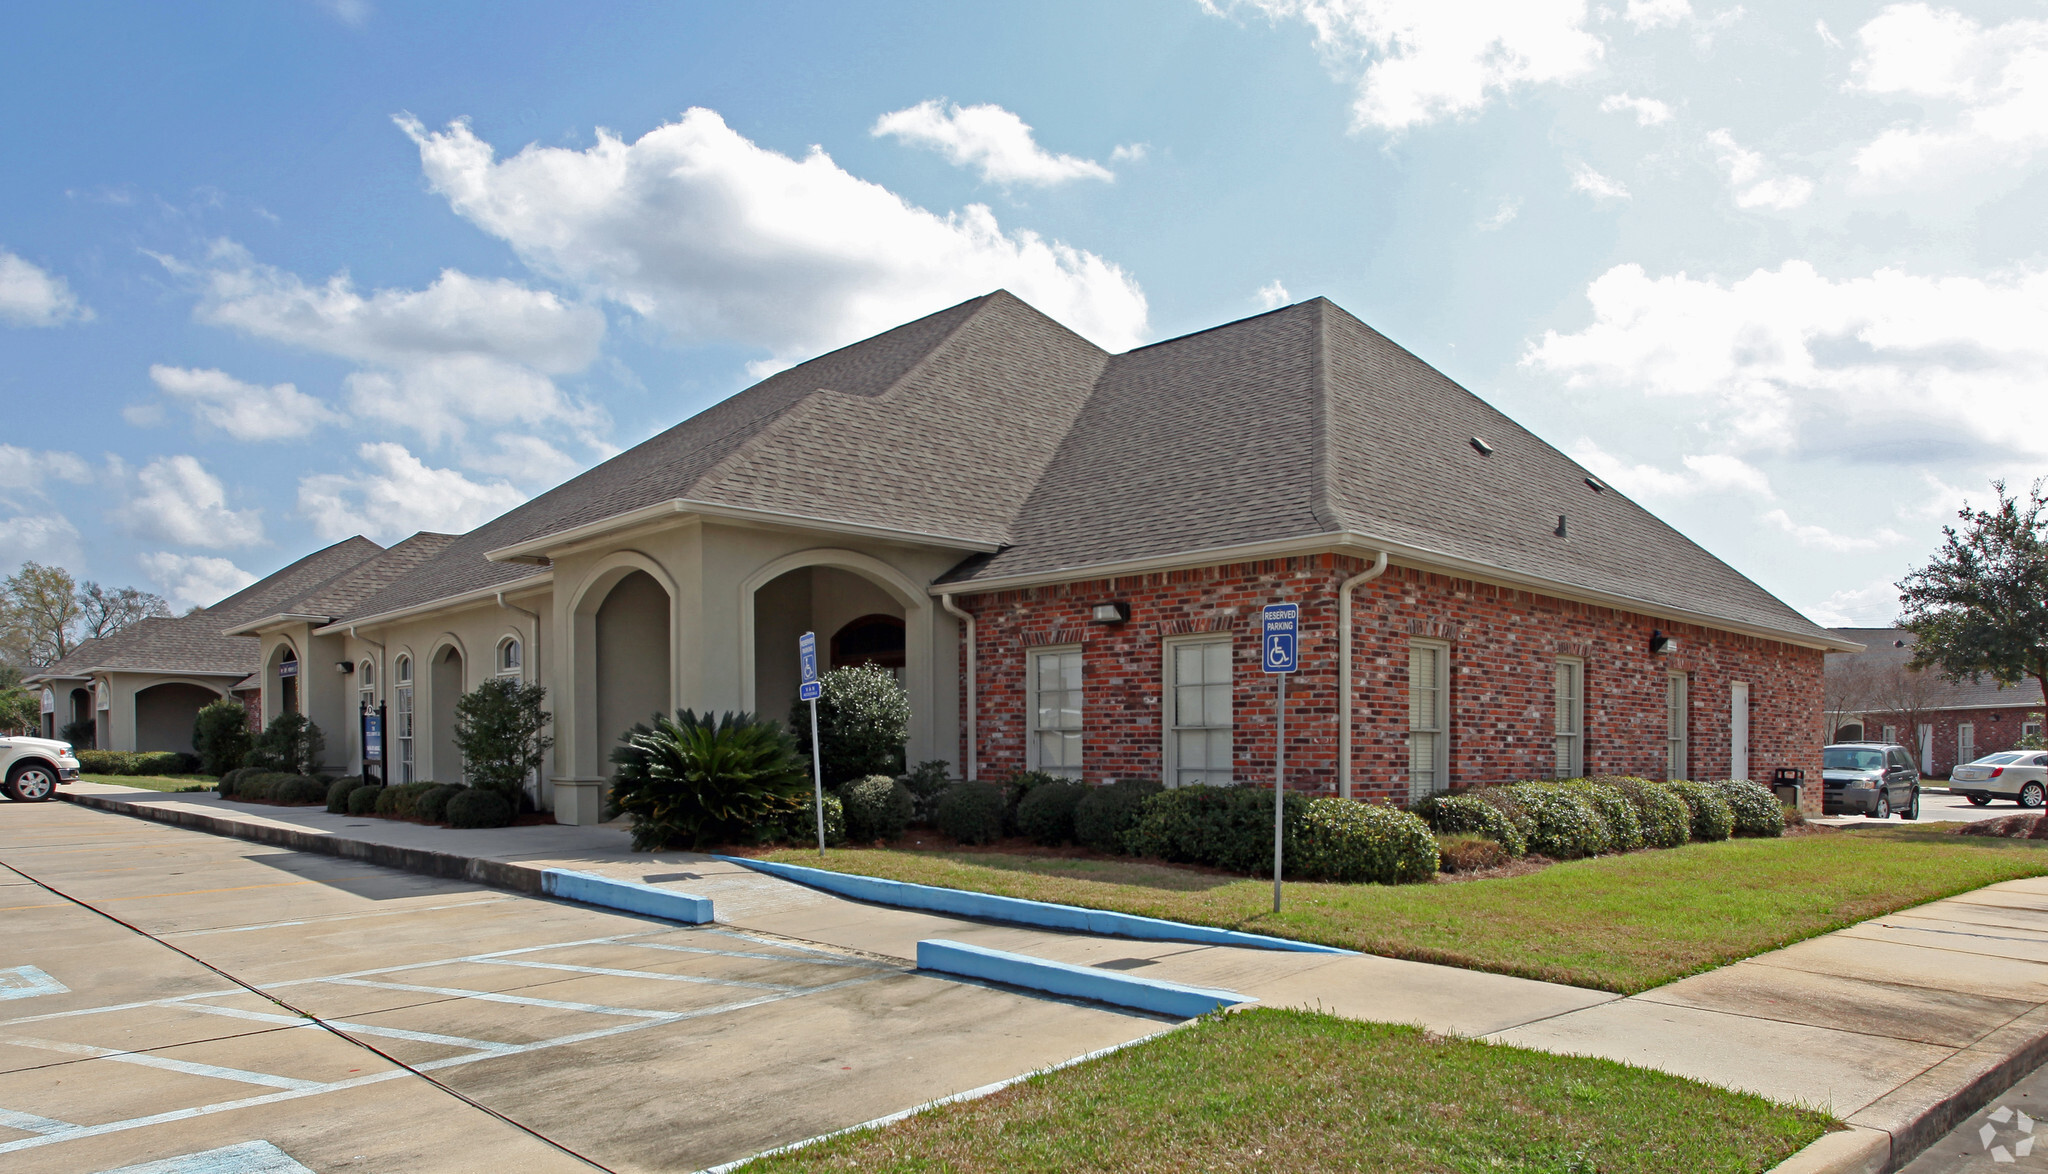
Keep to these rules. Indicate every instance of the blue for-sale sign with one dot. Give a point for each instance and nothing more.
(1277, 636)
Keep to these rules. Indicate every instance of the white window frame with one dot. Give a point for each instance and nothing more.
(2030, 729)
(1738, 729)
(1966, 740)
(1429, 773)
(1891, 734)
(517, 669)
(1568, 717)
(1034, 757)
(1677, 726)
(402, 717)
(1170, 723)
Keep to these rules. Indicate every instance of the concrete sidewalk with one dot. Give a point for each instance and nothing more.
(1901, 1026)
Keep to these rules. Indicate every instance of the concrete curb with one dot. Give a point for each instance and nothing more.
(626, 896)
(1042, 914)
(1074, 982)
(1849, 1151)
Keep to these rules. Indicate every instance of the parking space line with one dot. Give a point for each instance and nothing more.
(30, 1123)
(424, 1037)
(164, 1118)
(496, 997)
(196, 933)
(654, 974)
(857, 963)
(150, 1060)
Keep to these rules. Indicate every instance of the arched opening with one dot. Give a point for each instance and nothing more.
(511, 658)
(633, 657)
(287, 680)
(858, 621)
(444, 688)
(1849, 732)
(82, 728)
(164, 715)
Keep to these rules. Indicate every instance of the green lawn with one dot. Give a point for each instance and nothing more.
(157, 782)
(1272, 1090)
(1620, 923)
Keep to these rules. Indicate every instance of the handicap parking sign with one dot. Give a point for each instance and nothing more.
(1278, 624)
(807, 657)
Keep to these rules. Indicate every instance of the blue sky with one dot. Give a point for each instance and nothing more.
(276, 273)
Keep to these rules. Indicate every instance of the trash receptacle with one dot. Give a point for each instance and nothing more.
(1788, 782)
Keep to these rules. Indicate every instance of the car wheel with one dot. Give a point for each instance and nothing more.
(1883, 810)
(1912, 810)
(31, 782)
(2032, 795)
(1979, 800)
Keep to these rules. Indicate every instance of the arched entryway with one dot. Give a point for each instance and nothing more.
(1849, 732)
(282, 682)
(863, 611)
(445, 688)
(83, 729)
(633, 658)
(164, 715)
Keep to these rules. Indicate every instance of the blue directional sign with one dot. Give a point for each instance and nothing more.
(1278, 623)
(807, 656)
(373, 737)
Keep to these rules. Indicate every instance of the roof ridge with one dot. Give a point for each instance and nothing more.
(1320, 504)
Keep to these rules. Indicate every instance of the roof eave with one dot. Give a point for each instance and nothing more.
(1365, 545)
(267, 623)
(462, 599)
(537, 550)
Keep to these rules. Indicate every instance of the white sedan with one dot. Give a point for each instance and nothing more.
(2018, 775)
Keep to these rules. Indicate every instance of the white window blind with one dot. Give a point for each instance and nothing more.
(1570, 720)
(1200, 739)
(1428, 719)
(1676, 720)
(1056, 711)
(401, 719)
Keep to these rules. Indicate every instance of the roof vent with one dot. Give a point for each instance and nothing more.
(1594, 484)
(1560, 526)
(1480, 446)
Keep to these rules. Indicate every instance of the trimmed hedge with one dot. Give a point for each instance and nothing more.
(475, 807)
(1047, 813)
(1351, 842)
(136, 762)
(800, 826)
(1624, 826)
(401, 801)
(432, 805)
(363, 800)
(1756, 809)
(1224, 827)
(1712, 818)
(877, 808)
(299, 790)
(927, 781)
(1104, 817)
(338, 792)
(1464, 813)
(1562, 824)
(972, 812)
(1665, 819)
(1016, 788)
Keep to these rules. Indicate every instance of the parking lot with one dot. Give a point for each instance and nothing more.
(279, 1011)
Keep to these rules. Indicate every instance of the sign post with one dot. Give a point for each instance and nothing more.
(808, 690)
(1278, 627)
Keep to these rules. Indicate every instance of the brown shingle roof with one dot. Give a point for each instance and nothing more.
(1887, 648)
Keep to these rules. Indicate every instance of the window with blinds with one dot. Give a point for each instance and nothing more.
(1199, 745)
(1570, 759)
(402, 718)
(1429, 718)
(1056, 711)
(1676, 717)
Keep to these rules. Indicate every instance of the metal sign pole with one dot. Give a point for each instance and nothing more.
(1279, 787)
(1279, 631)
(808, 688)
(817, 777)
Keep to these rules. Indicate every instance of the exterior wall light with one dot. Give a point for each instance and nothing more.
(344, 666)
(1110, 613)
(1660, 643)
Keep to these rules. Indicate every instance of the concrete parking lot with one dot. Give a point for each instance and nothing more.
(1940, 806)
(281, 1011)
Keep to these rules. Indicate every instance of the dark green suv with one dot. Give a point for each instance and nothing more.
(1869, 778)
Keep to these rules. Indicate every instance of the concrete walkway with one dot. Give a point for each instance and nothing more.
(1901, 1026)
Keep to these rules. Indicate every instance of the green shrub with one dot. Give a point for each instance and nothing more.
(220, 733)
(161, 762)
(298, 791)
(927, 781)
(338, 792)
(1223, 827)
(800, 826)
(691, 780)
(1712, 818)
(474, 807)
(265, 786)
(290, 743)
(1564, 825)
(1015, 788)
(877, 808)
(863, 721)
(363, 800)
(501, 732)
(971, 812)
(1047, 812)
(103, 762)
(1464, 813)
(1616, 811)
(1104, 817)
(432, 805)
(80, 734)
(1665, 820)
(230, 780)
(1351, 842)
(1467, 852)
(1756, 810)
(401, 801)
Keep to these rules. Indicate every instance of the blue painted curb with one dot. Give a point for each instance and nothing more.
(626, 896)
(1075, 982)
(1043, 914)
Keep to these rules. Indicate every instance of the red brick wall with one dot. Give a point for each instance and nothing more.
(1504, 644)
(1995, 729)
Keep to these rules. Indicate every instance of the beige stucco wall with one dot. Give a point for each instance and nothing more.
(117, 722)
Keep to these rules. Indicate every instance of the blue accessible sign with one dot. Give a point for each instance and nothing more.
(1279, 622)
(807, 658)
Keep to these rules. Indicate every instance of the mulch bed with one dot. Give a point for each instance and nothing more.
(2024, 826)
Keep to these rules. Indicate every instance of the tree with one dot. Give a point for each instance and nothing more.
(1850, 693)
(291, 743)
(1981, 606)
(501, 730)
(1905, 697)
(220, 736)
(104, 611)
(39, 612)
(863, 721)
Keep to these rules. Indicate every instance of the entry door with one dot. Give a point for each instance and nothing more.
(1966, 743)
(1926, 749)
(1738, 730)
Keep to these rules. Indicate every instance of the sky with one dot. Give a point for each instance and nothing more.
(275, 273)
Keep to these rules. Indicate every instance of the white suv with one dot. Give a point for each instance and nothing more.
(34, 767)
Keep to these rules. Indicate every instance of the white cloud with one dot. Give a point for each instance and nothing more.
(1510, 208)
(527, 460)
(987, 138)
(1890, 366)
(1698, 473)
(30, 469)
(397, 495)
(1648, 111)
(1129, 153)
(1421, 60)
(174, 499)
(1873, 605)
(1822, 538)
(348, 12)
(31, 297)
(1273, 295)
(1993, 81)
(245, 411)
(1596, 185)
(1747, 181)
(1827, 35)
(194, 580)
(1650, 14)
(465, 349)
(717, 238)
(43, 537)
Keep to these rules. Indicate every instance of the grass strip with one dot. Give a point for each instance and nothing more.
(156, 782)
(1274, 1090)
(1618, 923)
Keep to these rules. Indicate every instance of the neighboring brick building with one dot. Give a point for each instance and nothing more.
(1872, 696)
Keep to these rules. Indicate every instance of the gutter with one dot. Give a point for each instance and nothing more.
(480, 595)
(256, 627)
(1345, 625)
(973, 746)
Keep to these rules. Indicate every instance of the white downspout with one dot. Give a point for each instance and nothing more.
(973, 747)
(1344, 625)
(540, 780)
